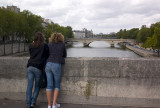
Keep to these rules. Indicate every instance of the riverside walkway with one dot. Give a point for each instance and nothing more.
(140, 51)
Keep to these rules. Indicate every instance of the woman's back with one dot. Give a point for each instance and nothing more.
(57, 52)
(38, 51)
(38, 56)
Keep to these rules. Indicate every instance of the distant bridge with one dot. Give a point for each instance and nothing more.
(112, 42)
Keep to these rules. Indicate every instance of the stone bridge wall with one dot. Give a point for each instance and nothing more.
(96, 81)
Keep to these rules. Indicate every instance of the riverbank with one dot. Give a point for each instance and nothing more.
(140, 52)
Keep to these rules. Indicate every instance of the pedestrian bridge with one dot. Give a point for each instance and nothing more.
(112, 42)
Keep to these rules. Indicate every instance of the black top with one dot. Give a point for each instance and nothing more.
(38, 56)
(57, 53)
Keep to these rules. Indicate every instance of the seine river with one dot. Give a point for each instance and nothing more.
(98, 49)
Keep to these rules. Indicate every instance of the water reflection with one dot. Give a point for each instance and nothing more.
(99, 44)
(77, 44)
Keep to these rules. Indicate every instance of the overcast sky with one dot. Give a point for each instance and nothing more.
(102, 16)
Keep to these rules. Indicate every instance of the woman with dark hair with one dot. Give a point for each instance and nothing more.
(38, 51)
(57, 53)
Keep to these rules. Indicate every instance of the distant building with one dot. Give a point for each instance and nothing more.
(111, 35)
(78, 34)
(13, 8)
(143, 26)
(152, 25)
(88, 33)
(46, 22)
(83, 34)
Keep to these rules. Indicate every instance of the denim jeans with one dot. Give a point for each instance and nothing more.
(32, 74)
(53, 73)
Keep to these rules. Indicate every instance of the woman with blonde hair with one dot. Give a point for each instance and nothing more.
(57, 53)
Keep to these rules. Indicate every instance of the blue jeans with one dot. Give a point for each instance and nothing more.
(53, 73)
(32, 74)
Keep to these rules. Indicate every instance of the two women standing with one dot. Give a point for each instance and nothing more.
(39, 54)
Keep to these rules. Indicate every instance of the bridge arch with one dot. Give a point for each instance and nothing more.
(87, 43)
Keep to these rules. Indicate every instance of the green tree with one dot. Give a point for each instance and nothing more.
(157, 35)
(68, 32)
(7, 25)
(153, 26)
(21, 28)
(143, 34)
(150, 42)
(34, 24)
(154, 41)
(3, 25)
(47, 33)
(25, 24)
(119, 34)
(125, 34)
(133, 33)
(52, 28)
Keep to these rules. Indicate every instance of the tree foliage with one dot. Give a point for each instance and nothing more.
(150, 37)
(127, 34)
(25, 24)
(143, 34)
(55, 28)
(154, 41)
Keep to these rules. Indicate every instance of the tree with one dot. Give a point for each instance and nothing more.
(157, 35)
(119, 34)
(150, 42)
(154, 41)
(3, 28)
(125, 34)
(47, 33)
(52, 28)
(25, 24)
(133, 33)
(7, 25)
(69, 33)
(143, 34)
(34, 24)
(21, 28)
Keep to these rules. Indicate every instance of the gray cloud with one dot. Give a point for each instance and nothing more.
(99, 15)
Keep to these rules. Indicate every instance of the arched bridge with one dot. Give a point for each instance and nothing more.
(112, 42)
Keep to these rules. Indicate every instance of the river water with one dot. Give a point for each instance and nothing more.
(99, 49)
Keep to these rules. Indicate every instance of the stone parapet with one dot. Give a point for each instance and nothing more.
(96, 81)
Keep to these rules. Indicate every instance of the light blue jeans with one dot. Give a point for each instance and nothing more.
(53, 73)
(32, 74)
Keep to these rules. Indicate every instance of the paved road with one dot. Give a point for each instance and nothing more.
(21, 104)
